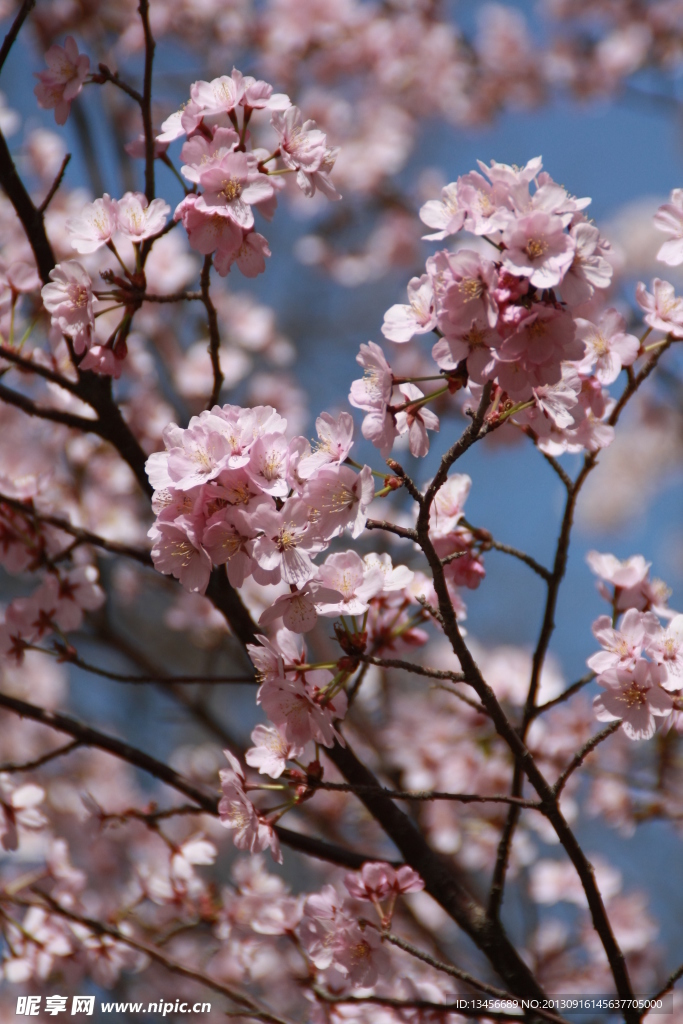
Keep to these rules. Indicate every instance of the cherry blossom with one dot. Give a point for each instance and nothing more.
(635, 697)
(95, 225)
(669, 219)
(251, 830)
(63, 81)
(663, 310)
(138, 219)
(271, 751)
(69, 300)
(608, 347)
(19, 810)
(300, 709)
(402, 322)
(537, 247)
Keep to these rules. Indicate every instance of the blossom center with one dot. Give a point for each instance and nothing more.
(536, 247)
(232, 189)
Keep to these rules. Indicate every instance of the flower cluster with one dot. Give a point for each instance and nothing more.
(219, 220)
(512, 319)
(641, 661)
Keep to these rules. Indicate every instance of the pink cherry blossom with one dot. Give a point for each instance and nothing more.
(373, 391)
(589, 269)
(608, 347)
(417, 419)
(537, 247)
(299, 609)
(250, 255)
(69, 300)
(333, 445)
(138, 219)
(271, 751)
(287, 541)
(635, 697)
(669, 219)
(665, 647)
(232, 187)
(377, 880)
(402, 322)
(19, 810)
(95, 225)
(353, 580)
(300, 709)
(447, 214)
(236, 811)
(63, 81)
(621, 647)
(176, 551)
(663, 310)
(338, 499)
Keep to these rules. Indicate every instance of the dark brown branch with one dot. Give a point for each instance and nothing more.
(418, 670)
(120, 677)
(524, 762)
(173, 297)
(561, 472)
(83, 536)
(583, 753)
(539, 569)
(55, 185)
(29, 766)
(30, 217)
(669, 983)
(12, 356)
(105, 74)
(383, 524)
(9, 40)
(146, 104)
(469, 436)
(548, 624)
(423, 795)
(214, 333)
(43, 900)
(28, 406)
(90, 737)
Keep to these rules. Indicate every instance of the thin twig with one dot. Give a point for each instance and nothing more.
(55, 184)
(565, 695)
(668, 984)
(583, 753)
(12, 356)
(83, 536)
(523, 557)
(87, 736)
(29, 766)
(67, 419)
(423, 795)
(120, 677)
(409, 666)
(45, 901)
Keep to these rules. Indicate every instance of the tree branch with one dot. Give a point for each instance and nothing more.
(46, 901)
(9, 40)
(87, 736)
(582, 754)
(214, 333)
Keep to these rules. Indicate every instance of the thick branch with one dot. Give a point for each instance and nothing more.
(9, 40)
(214, 333)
